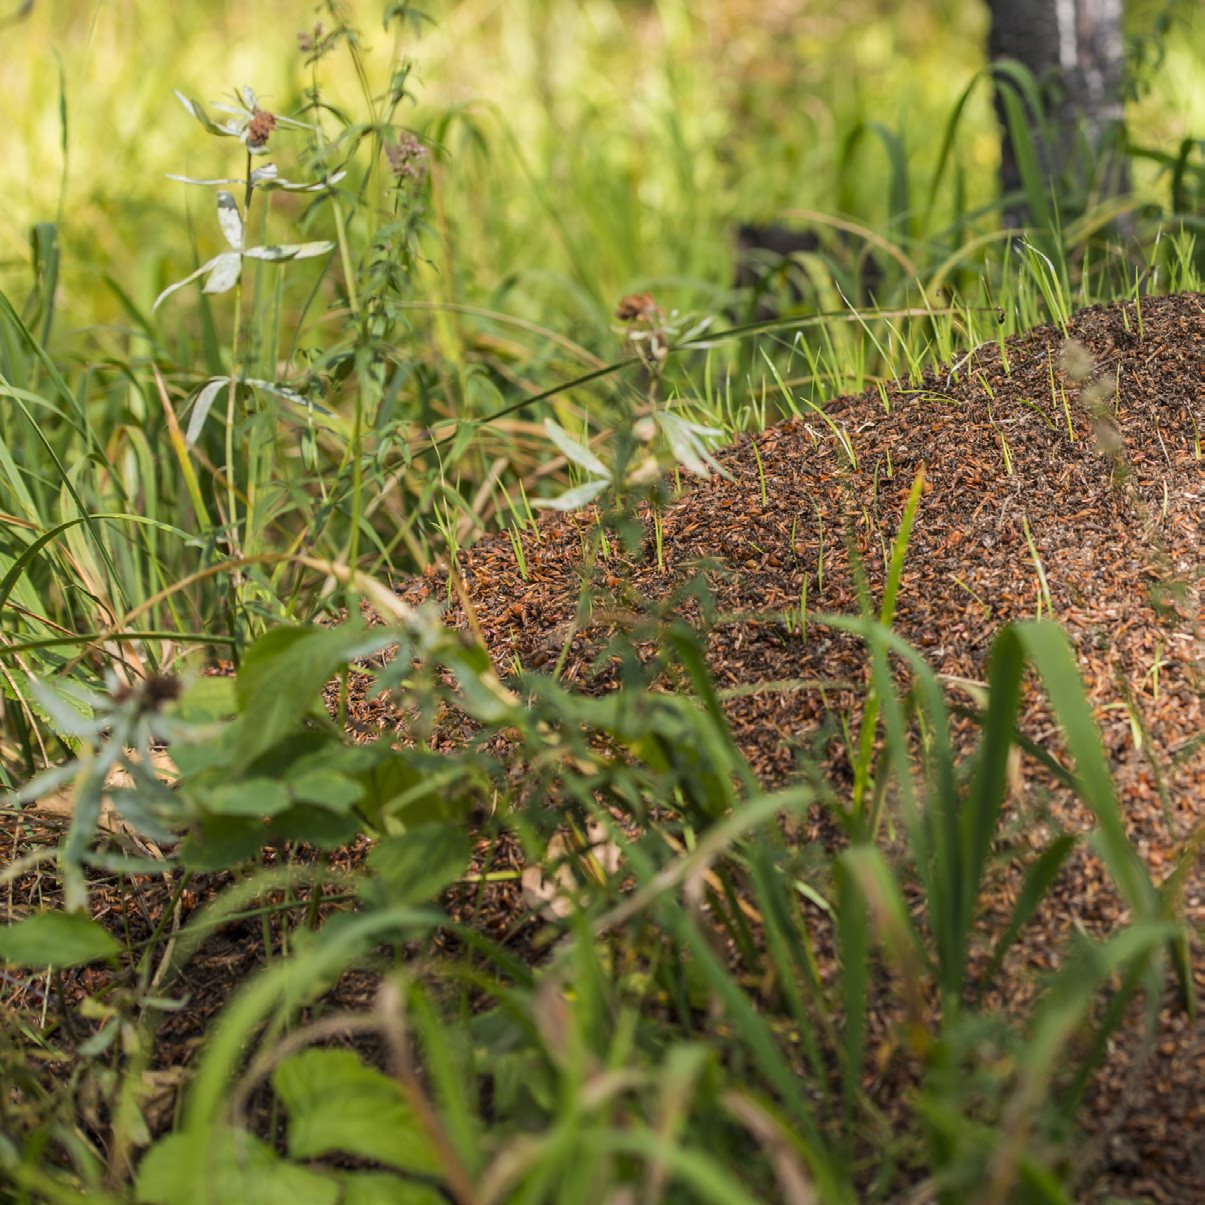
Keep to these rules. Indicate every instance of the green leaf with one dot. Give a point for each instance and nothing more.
(337, 1105)
(222, 842)
(282, 676)
(415, 788)
(251, 797)
(326, 788)
(234, 1166)
(419, 864)
(379, 1188)
(574, 451)
(316, 825)
(207, 698)
(56, 939)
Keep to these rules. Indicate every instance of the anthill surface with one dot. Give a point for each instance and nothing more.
(1062, 478)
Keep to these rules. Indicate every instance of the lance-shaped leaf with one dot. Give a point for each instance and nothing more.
(198, 111)
(281, 251)
(230, 220)
(212, 389)
(204, 403)
(686, 441)
(289, 395)
(266, 178)
(578, 453)
(224, 276)
(572, 499)
(208, 266)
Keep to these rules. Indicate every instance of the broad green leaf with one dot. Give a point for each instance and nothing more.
(220, 842)
(55, 939)
(206, 699)
(250, 797)
(282, 676)
(326, 789)
(316, 825)
(70, 709)
(380, 1188)
(233, 1167)
(420, 863)
(338, 1105)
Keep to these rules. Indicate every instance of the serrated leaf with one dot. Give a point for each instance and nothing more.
(337, 1105)
(577, 452)
(230, 220)
(71, 714)
(574, 498)
(202, 406)
(225, 274)
(56, 939)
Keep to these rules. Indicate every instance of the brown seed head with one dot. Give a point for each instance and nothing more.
(259, 129)
(637, 307)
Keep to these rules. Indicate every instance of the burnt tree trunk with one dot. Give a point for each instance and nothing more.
(1075, 50)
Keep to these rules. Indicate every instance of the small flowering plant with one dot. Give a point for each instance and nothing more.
(648, 330)
(253, 126)
(247, 122)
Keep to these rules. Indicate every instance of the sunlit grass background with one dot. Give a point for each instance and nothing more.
(618, 142)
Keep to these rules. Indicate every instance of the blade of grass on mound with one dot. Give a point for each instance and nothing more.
(864, 826)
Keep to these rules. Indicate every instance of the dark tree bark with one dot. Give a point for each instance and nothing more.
(1075, 50)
